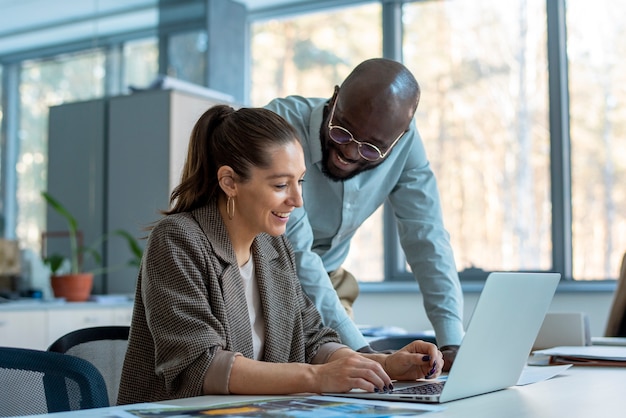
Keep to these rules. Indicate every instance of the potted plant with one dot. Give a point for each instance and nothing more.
(76, 284)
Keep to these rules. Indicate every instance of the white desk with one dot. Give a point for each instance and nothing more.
(584, 392)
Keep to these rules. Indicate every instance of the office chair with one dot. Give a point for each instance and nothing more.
(616, 324)
(105, 347)
(40, 382)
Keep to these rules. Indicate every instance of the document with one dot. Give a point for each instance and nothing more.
(292, 406)
(534, 374)
(611, 356)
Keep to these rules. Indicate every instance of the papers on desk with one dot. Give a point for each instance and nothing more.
(318, 406)
(534, 374)
(611, 356)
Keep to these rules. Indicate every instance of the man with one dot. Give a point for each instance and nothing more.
(361, 148)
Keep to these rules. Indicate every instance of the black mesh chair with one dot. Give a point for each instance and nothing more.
(105, 347)
(41, 382)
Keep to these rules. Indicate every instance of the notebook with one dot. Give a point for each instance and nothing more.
(496, 345)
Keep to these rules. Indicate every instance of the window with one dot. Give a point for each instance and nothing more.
(2, 151)
(187, 56)
(483, 116)
(141, 62)
(47, 83)
(596, 46)
(308, 55)
(3, 146)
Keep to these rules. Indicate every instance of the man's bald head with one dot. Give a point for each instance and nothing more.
(382, 80)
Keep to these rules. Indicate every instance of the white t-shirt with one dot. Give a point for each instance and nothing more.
(255, 310)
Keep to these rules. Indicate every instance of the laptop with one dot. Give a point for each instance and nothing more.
(496, 345)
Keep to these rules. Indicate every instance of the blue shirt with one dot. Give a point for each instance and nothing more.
(321, 230)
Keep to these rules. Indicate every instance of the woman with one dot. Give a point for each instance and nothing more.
(218, 306)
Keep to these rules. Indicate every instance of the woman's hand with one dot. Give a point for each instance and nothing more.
(352, 371)
(416, 360)
(374, 372)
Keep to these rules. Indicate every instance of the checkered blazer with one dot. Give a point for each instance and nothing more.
(190, 303)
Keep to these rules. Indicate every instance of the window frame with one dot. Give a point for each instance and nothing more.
(560, 171)
(395, 271)
(394, 265)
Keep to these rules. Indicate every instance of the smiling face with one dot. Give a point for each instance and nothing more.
(264, 203)
(370, 121)
(373, 107)
(381, 125)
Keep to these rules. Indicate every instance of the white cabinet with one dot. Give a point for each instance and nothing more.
(25, 329)
(62, 321)
(122, 316)
(41, 324)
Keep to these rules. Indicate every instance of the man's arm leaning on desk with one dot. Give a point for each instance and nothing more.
(316, 283)
(426, 243)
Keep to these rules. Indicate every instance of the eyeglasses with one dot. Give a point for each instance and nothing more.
(342, 136)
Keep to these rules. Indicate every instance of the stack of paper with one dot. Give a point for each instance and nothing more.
(585, 355)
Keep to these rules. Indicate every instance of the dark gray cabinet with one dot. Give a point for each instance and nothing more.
(113, 163)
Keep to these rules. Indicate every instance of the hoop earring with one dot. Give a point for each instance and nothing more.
(230, 207)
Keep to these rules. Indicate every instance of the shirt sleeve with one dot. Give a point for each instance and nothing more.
(325, 351)
(425, 241)
(316, 283)
(219, 370)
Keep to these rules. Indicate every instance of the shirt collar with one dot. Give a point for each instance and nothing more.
(315, 124)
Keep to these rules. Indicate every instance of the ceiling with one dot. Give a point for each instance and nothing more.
(25, 24)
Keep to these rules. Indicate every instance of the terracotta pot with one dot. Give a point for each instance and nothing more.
(72, 287)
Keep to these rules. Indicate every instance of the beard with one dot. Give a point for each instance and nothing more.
(325, 159)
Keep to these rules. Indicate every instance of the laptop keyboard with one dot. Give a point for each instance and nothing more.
(433, 388)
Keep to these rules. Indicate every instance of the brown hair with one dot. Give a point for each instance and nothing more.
(222, 136)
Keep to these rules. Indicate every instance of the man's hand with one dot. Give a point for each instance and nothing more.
(416, 360)
(449, 354)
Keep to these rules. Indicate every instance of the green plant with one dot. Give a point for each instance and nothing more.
(56, 261)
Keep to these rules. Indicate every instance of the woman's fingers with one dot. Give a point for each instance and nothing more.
(416, 360)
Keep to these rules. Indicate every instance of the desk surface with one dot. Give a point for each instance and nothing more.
(577, 392)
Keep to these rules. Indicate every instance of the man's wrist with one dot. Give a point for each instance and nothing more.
(450, 347)
(367, 350)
